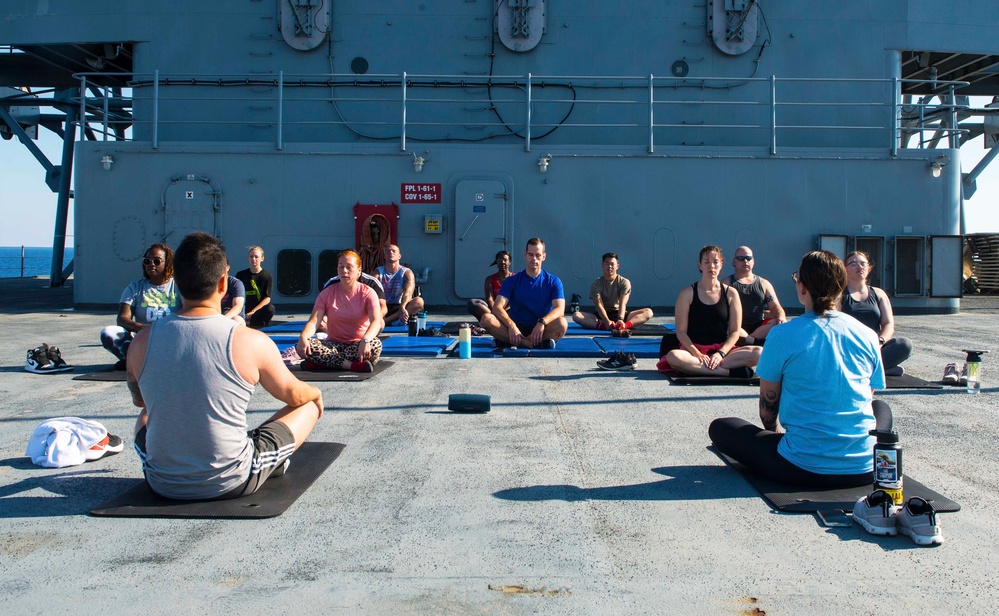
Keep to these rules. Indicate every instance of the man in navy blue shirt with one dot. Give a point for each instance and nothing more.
(530, 308)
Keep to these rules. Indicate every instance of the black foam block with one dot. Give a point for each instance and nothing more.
(798, 499)
(271, 500)
(468, 403)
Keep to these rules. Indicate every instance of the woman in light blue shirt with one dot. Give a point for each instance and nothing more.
(817, 376)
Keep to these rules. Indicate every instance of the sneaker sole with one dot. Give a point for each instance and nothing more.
(921, 539)
(40, 370)
(880, 531)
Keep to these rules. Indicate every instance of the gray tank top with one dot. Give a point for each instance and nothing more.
(196, 440)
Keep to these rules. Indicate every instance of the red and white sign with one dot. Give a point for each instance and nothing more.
(421, 193)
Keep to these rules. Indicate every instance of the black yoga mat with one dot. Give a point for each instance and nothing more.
(271, 500)
(907, 381)
(677, 378)
(340, 376)
(103, 375)
(797, 499)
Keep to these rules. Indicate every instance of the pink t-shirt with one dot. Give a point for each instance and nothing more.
(347, 313)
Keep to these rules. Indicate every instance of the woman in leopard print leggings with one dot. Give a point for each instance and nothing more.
(353, 320)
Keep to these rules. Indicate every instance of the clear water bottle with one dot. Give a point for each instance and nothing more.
(974, 363)
(421, 320)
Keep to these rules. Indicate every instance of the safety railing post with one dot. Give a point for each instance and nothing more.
(527, 126)
(952, 137)
(895, 136)
(773, 114)
(105, 91)
(402, 144)
(280, 110)
(156, 109)
(652, 121)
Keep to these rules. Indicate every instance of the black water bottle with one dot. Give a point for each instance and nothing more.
(888, 464)
(412, 325)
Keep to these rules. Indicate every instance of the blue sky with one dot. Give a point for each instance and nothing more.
(27, 206)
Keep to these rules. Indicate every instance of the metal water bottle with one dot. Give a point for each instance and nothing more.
(888, 464)
(465, 341)
(413, 325)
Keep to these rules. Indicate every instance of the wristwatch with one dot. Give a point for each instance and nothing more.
(881, 341)
(542, 321)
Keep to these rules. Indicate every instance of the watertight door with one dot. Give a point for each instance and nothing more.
(480, 231)
(191, 203)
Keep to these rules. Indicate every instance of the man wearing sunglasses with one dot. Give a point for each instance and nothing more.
(144, 301)
(758, 297)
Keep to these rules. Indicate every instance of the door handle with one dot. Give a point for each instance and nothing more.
(462, 238)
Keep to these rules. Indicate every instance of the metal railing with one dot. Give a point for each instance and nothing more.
(649, 111)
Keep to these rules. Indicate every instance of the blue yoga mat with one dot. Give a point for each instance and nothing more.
(566, 347)
(289, 327)
(397, 346)
(645, 347)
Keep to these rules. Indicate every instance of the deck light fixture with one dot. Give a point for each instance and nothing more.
(543, 163)
(107, 161)
(937, 166)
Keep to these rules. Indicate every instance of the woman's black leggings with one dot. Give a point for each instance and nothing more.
(756, 448)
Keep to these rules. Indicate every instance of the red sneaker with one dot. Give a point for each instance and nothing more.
(110, 444)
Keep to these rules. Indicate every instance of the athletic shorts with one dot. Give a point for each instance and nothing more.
(273, 444)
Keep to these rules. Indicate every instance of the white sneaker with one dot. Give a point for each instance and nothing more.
(951, 375)
(963, 379)
(918, 519)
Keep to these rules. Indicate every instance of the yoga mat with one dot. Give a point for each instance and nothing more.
(316, 376)
(271, 500)
(797, 499)
(566, 347)
(404, 329)
(288, 327)
(677, 378)
(103, 375)
(428, 346)
(907, 381)
(645, 329)
(641, 347)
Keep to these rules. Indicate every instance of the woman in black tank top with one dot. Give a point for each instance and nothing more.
(870, 306)
(708, 317)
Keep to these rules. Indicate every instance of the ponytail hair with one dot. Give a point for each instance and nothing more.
(824, 277)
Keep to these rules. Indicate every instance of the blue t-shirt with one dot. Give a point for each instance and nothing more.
(235, 289)
(531, 298)
(826, 367)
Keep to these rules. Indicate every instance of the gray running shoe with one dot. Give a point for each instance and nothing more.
(918, 519)
(877, 513)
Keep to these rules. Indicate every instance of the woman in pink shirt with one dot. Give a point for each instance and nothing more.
(353, 320)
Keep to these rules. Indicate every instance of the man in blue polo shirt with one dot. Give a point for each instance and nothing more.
(530, 308)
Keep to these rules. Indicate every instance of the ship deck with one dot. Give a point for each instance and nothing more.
(594, 492)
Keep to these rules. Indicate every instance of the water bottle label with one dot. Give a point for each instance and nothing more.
(886, 466)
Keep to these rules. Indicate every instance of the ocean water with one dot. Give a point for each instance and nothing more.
(37, 261)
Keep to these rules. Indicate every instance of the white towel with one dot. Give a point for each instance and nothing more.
(64, 441)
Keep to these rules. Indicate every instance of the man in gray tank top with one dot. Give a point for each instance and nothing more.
(193, 373)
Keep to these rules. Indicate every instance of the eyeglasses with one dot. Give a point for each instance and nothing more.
(794, 276)
(744, 258)
(152, 261)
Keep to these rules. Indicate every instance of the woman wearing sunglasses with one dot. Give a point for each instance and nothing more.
(870, 306)
(144, 300)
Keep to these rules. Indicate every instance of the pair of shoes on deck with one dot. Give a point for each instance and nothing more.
(45, 359)
(879, 515)
(953, 377)
(618, 361)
